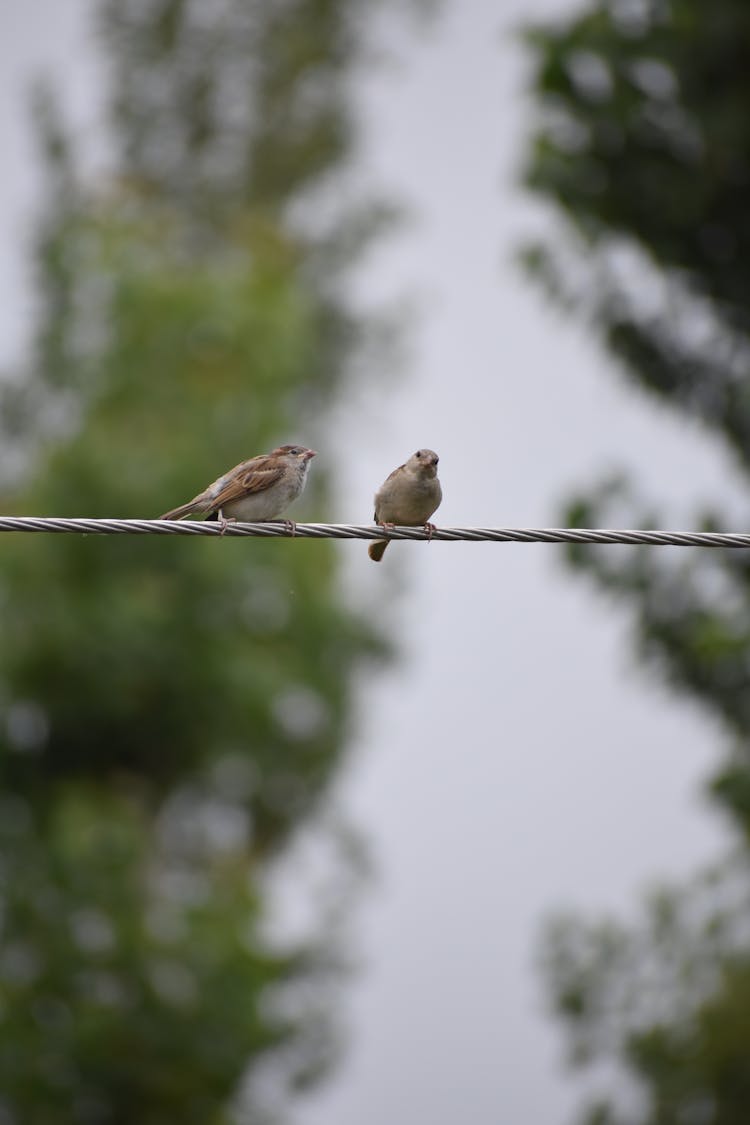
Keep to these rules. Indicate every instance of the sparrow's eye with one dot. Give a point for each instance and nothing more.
(418, 453)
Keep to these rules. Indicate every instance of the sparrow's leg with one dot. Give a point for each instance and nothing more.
(291, 527)
(430, 528)
(224, 521)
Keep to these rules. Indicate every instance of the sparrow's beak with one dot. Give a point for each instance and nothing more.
(309, 454)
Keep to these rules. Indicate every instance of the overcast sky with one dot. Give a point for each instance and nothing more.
(516, 760)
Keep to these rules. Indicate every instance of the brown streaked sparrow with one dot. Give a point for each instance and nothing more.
(408, 496)
(254, 491)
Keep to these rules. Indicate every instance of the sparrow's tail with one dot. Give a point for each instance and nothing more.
(376, 550)
(180, 513)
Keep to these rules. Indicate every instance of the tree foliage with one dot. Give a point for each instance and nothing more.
(172, 711)
(643, 148)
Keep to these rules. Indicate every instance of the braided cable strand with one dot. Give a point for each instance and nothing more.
(284, 530)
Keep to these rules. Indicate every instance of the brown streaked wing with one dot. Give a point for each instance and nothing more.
(261, 473)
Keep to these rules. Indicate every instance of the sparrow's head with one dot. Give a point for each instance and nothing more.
(295, 453)
(424, 462)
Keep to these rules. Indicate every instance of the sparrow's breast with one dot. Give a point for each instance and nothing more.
(409, 502)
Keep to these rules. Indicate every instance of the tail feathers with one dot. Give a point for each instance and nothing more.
(376, 550)
(181, 512)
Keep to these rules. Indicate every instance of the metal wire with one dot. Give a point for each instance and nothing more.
(284, 529)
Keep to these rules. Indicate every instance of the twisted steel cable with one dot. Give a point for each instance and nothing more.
(284, 529)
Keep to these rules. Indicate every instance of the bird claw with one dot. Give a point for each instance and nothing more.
(430, 528)
(224, 522)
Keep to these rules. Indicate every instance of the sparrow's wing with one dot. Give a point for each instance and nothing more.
(382, 494)
(248, 478)
(396, 472)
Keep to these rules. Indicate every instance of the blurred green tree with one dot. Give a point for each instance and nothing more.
(644, 149)
(172, 711)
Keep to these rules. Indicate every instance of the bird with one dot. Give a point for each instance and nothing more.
(408, 496)
(256, 490)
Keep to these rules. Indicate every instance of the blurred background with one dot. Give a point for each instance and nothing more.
(285, 836)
